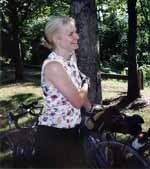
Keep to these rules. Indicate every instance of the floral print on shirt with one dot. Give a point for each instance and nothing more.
(59, 112)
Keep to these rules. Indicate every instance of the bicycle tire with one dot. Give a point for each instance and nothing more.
(90, 149)
(107, 135)
(145, 152)
(6, 151)
(19, 144)
(113, 154)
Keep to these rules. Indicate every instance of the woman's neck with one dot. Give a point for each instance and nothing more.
(63, 53)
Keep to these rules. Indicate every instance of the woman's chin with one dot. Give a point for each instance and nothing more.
(75, 46)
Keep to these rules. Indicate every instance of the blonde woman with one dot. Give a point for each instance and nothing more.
(58, 139)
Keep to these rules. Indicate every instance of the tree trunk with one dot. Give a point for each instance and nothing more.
(19, 68)
(133, 85)
(17, 55)
(84, 12)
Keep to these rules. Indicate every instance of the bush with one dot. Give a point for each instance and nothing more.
(146, 71)
(117, 62)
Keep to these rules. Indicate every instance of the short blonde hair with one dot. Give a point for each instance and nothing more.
(52, 27)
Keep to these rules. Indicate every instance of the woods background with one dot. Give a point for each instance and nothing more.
(114, 37)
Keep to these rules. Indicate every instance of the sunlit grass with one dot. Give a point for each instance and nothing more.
(113, 88)
(12, 95)
(5, 154)
(10, 90)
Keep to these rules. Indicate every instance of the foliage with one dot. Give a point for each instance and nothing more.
(23, 10)
(112, 33)
(143, 38)
(15, 15)
(35, 31)
(31, 17)
(113, 19)
(146, 71)
(112, 23)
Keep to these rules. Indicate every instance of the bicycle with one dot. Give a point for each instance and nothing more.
(18, 142)
(100, 153)
(104, 151)
(141, 144)
(130, 127)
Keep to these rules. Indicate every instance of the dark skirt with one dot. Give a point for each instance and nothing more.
(59, 148)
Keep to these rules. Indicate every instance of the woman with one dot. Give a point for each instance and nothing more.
(58, 141)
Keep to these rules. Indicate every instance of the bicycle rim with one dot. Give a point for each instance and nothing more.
(6, 151)
(115, 155)
(19, 145)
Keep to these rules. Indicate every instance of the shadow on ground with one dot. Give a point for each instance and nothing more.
(10, 105)
(122, 102)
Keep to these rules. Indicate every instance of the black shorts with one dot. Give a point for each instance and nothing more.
(59, 148)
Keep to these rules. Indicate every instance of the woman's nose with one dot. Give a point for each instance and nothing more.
(76, 36)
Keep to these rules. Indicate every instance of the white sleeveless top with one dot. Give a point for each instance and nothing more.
(59, 111)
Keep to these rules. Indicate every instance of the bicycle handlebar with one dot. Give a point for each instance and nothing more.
(92, 116)
(96, 109)
(25, 109)
(28, 106)
(32, 106)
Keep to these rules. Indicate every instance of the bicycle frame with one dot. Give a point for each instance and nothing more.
(101, 150)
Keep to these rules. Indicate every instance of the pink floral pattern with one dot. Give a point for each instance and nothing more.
(59, 112)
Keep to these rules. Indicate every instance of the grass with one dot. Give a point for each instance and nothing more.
(113, 88)
(12, 95)
(16, 93)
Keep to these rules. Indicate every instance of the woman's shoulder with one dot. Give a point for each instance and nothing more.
(52, 57)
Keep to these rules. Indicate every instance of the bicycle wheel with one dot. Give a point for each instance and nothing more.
(89, 144)
(17, 147)
(145, 152)
(114, 155)
(6, 151)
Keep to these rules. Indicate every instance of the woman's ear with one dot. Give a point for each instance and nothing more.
(56, 38)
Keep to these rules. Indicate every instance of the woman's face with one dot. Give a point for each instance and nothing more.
(67, 37)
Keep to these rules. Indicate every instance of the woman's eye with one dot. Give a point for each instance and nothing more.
(71, 33)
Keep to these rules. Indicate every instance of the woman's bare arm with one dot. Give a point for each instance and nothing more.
(55, 73)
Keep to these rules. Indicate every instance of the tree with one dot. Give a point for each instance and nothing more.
(133, 85)
(85, 14)
(15, 13)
